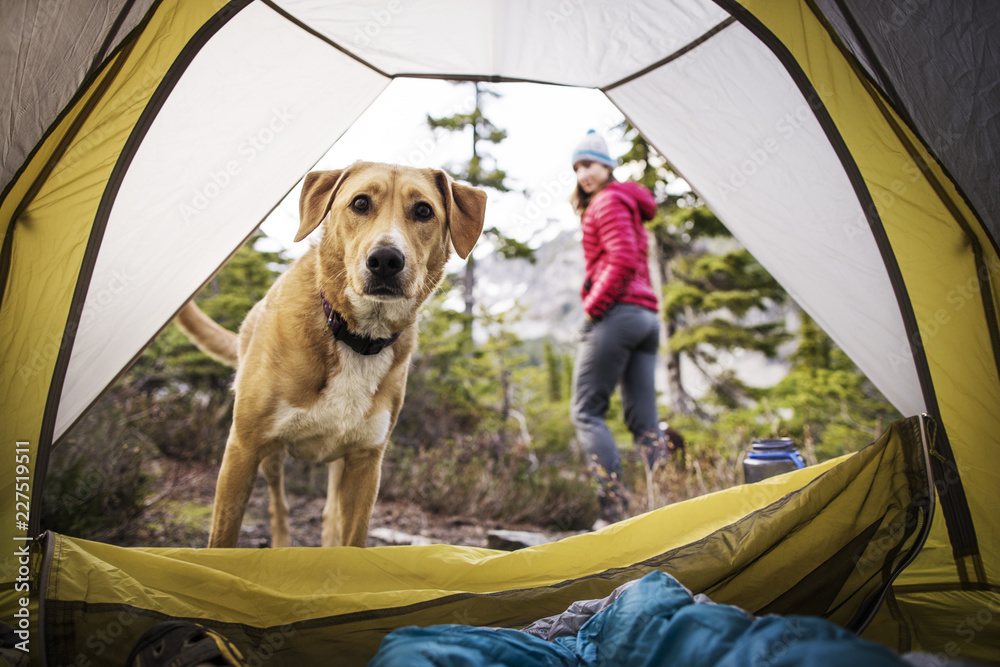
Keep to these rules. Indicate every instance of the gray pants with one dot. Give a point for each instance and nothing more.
(620, 348)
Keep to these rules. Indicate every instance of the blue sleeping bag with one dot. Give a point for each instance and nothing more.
(655, 621)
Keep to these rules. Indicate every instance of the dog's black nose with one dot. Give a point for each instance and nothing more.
(385, 262)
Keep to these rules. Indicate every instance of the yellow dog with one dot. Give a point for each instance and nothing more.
(321, 360)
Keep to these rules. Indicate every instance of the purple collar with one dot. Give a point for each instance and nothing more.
(362, 345)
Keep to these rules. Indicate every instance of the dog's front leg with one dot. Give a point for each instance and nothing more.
(273, 469)
(356, 494)
(232, 491)
(331, 510)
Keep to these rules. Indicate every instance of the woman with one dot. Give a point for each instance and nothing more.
(621, 334)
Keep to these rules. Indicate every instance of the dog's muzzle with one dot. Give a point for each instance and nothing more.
(385, 272)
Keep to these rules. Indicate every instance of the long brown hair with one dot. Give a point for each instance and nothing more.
(580, 200)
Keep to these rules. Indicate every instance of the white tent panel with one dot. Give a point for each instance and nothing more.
(440, 36)
(261, 100)
(555, 41)
(597, 44)
(753, 149)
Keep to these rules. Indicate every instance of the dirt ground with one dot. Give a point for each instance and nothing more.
(179, 516)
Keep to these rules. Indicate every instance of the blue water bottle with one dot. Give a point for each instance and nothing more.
(771, 457)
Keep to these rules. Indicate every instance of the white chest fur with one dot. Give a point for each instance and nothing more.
(340, 417)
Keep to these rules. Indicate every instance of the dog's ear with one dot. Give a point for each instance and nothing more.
(318, 190)
(466, 209)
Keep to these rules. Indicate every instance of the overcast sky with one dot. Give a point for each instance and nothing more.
(543, 124)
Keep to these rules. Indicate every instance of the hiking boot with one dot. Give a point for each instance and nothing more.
(612, 499)
(612, 510)
(653, 447)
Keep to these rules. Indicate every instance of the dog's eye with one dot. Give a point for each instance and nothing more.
(423, 211)
(361, 204)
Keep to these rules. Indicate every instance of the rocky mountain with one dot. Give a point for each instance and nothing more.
(546, 293)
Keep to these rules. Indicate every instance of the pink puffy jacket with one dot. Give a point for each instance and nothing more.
(615, 249)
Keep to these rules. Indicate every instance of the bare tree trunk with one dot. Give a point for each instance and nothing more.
(470, 283)
(505, 404)
(681, 402)
(808, 445)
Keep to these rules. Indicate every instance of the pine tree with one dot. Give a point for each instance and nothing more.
(480, 371)
(708, 303)
(482, 171)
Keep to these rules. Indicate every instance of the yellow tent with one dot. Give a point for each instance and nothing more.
(851, 146)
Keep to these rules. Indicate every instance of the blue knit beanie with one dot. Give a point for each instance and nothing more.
(593, 148)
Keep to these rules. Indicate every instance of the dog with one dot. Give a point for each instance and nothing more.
(321, 361)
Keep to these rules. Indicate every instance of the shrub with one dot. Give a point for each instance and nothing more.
(190, 425)
(97, 486)
(514, 485)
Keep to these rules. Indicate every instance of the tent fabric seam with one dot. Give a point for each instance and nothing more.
(679, 53)
(320, 36)
(487, 78)
(972, 586)
(856, 623)
(986, 293)
(944, 448)
(905, 641)
(868, 206)
(650, 562)
(933, 181)
(79, 292)
(755, 26)
(924, 437)
(99, 57)
(84, 86)
(97, 86)
(149, 113)
(880, 77)
(48, 544)
(483, 78)
(892, 98)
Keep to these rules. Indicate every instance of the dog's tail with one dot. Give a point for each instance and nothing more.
(214, 340)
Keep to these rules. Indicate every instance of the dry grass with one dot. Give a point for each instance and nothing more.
(471, 477)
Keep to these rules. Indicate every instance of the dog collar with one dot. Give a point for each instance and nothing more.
(336, 325)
